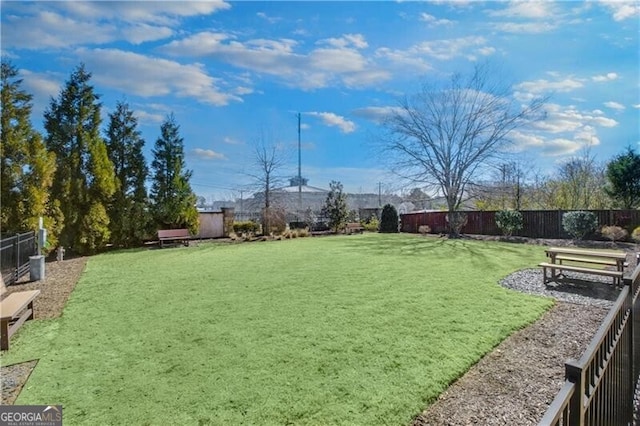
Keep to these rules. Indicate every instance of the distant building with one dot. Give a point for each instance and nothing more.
(299, 198)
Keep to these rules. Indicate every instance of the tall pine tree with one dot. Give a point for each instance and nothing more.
(173, 201)
(129, 216)
(84, 180)
(27, 167)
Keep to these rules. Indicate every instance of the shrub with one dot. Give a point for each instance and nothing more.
(276, 220)
(635, 235)
(579, 224)
(424, 229)
(246, 227)
(389, 219)
(371, 225)
(509, 221)
(614, 233)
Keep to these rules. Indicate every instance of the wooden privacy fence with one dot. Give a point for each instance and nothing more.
(14, 255)
(536, 223)
(599, 387)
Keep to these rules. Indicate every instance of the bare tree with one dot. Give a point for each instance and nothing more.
(440, 137)
(269, 159)
(581, 182)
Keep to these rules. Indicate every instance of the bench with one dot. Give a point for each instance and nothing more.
(15, 309)
(354, 227)
(607, 262)
(174, 235)
(616, 275)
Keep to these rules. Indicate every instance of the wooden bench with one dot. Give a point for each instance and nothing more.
(15, 309)
(354, 227)
(174, 235)
(616, 275)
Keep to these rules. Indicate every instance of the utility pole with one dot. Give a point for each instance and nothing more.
(299, 171)
(379, 194)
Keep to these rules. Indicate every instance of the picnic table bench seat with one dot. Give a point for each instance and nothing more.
(615, 275)
(607, 262)
(15, 309)
(354, 227)
(173, 235)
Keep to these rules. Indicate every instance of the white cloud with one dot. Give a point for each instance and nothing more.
(486, 51)
(525, 27)
(48, 29)
(334, 120)
(141, 33)
(231, 141)
(43, 86)
(615, 105)
(564, 131)
(337, 61)
(269, 19)
(162, 12)
(443, 50)
(376, 114)
(606, 77)
(347, 40)
(432, 20)
(637, 106)
(622, 10)
(208, 154)
(542, 86)
(149, 117)
(560, 147)
(561, 119)
(63, 25)
(404, 59)
(148, 76)
(525, 9)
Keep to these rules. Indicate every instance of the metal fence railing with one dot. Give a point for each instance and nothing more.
(14, 255)
(599, 387)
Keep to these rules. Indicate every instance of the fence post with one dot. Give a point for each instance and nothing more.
(574, 373)
(17, 250)
(632, 364)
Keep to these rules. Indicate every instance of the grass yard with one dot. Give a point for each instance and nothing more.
(353, 330)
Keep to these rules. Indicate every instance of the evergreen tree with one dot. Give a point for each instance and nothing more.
(128, 213)
(335, 206)
(623, 174)
(27, 168)
(84, 180)
(173, 201)
(389, 219)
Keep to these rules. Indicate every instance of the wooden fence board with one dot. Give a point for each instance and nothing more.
(537, 223)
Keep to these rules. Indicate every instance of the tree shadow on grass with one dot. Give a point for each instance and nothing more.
(433, 247)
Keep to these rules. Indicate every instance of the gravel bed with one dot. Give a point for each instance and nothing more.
(576, 287)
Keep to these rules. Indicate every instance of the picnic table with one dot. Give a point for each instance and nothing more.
(558, 255)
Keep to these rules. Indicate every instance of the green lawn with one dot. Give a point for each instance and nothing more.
(315, 331)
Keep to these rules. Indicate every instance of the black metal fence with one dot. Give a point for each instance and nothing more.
(599, 387)
(14, 255)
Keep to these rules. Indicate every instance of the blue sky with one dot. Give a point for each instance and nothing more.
(237, 73)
